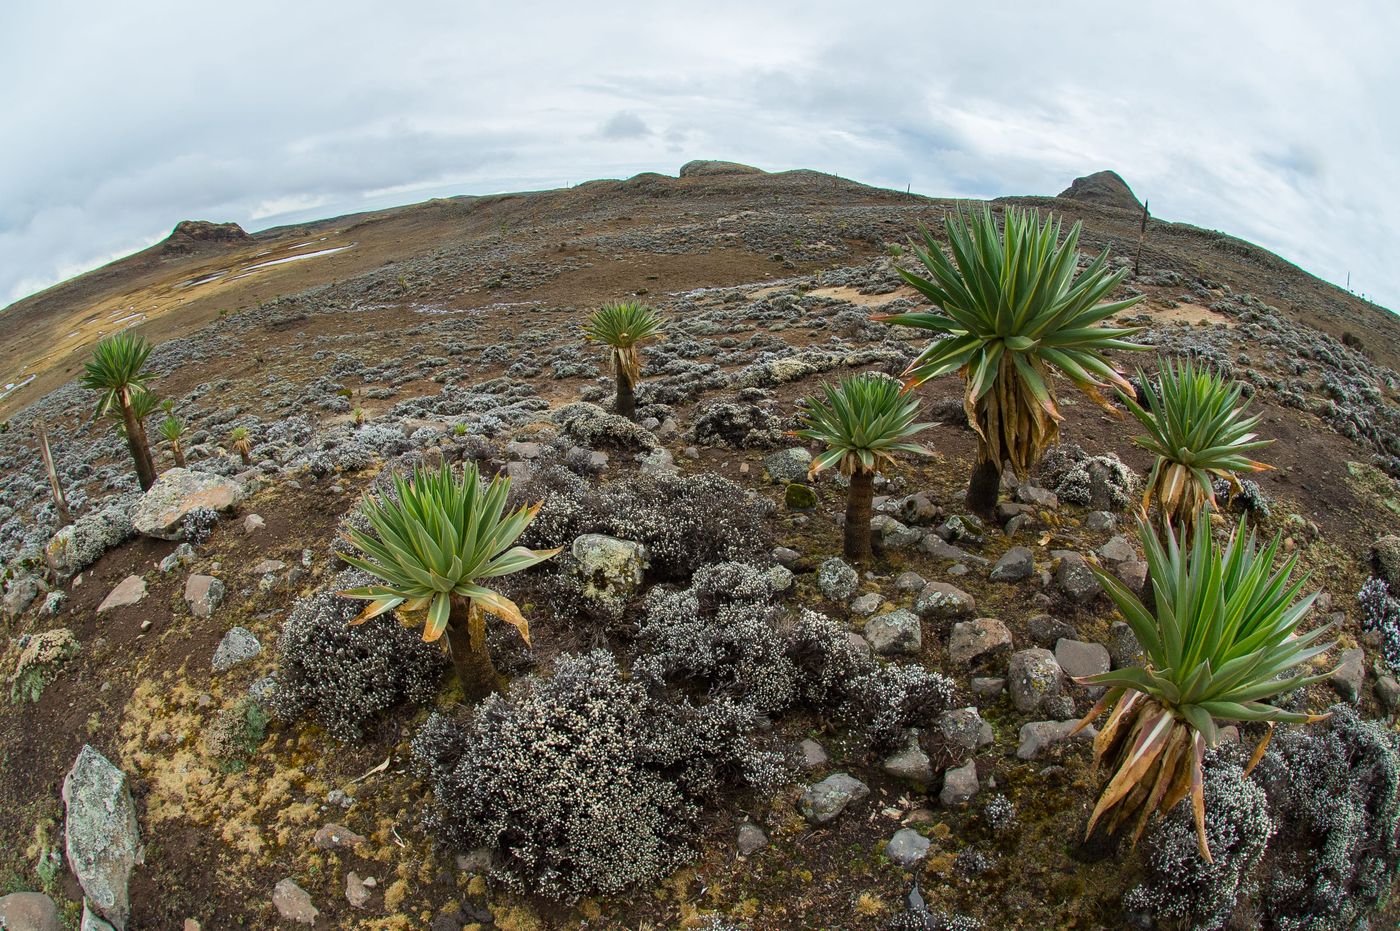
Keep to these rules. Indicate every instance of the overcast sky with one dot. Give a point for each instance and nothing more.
(1274, 121)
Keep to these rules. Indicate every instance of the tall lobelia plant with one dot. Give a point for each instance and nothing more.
(1199, 431)
(1223, 641)
(622, 327)
(863, 421)
(434, 542)
(1012, 308)
(117, 371)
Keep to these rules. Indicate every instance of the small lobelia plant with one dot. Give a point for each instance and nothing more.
(242, 444)
(1013, 307)
(435, 539)
(1223, 642)
(117, 370)
(863, 421)
(622, 327)
(1199, 431)
(172, 430)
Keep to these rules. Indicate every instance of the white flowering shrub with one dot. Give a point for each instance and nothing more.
(198, 525)
(1103, 482)
(880, 700)
(1380, 611)
(345, 676)
(1180, 885)
(723, 634)
(585, 783)
(1334, 791)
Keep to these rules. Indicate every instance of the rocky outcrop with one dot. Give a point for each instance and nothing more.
(101, 837)
(1104, 188)
(191, 236)
(700, 168)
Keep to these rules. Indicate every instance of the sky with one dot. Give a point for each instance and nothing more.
(1273, 121)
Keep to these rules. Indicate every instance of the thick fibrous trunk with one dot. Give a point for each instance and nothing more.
(136, 442)
(178, 453)
(626, 404)
(858, 503)
(471, 655)
(983, 488)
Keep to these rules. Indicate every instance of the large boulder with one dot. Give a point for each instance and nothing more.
(611, 569)
(102, 841)
(162, 509)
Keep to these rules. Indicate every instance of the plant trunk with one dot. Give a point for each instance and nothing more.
(858, 503)
(626, 404)
(136, 442)
(60, 502)
(983, 488)
(247, 459)
(179, 454)
(471, 655)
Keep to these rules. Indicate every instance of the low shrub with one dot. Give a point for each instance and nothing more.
(585, 783)
(345, 676)
(1380, 611)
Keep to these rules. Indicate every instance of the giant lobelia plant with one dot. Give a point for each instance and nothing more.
(622, 327)
(1222, 643)
(1013, 306)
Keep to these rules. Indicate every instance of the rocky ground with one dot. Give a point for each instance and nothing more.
(154, 649)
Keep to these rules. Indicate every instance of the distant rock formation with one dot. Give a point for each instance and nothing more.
(194, 235)
(701, 167)
(1104, 188)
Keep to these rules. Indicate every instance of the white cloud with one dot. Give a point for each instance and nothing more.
(1267, 120)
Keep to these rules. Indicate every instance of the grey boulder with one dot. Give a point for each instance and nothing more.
(895, 633)
(101, 837)
(162, 509)
(826, 800)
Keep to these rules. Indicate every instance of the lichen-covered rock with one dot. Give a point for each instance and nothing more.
(77, 546)
(203, 593)
(959, 785)
(1039, 736)
(890, 534)
(824, 801)
(1076, 579)
(799, 497)
(939, 600)
(787, 465)
(238, 646)
(29, 911)
(1015, 564)
(836, 579)
(101, 838)
(161, 511)
(895, 633)
(1033, 677)
(610, 569)
(907, 848)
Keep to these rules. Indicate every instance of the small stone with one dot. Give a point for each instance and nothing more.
(813, 755)
(1039, 736)
(826, 800)
(1133, 574)
(1046, 630)
(799, 497)
(203, 593)
(787, 465)
(958, 734)
(1040, 497)
(1076, 579)
(356, 892)
(1033, 676)
(267, 567)
(1123, 647)
(238, 646)
(1079, 659)
(890, 534)
(336, 837)
(898, 632)
(911, 763)
(1016, 564)
(907, 848)
(978, 641)
(909, 582)
(1117, 550)
(751, 839)
(959, 785)
(987, 688)
(1100, 522)
(867, 604)
(29, 911)
(786, 556)
(1388, 692)
(129, 591)
(253, 523)
(836, 579)
(939, 600)
(293, 903)
(1350, 674)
